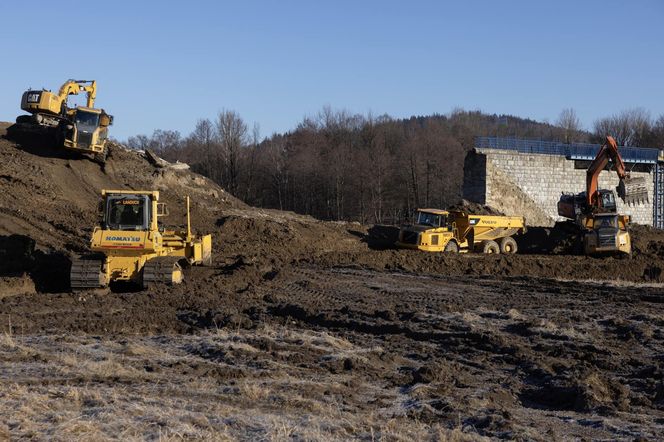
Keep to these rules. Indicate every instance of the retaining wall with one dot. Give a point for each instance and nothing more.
(530, 184)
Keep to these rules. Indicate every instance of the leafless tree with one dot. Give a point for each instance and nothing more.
(341, 165)
(629, 127)
(139, 142)
(232, 133)
(204, 138)
(570, 124)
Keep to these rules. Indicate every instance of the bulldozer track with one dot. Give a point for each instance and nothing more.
(162, 270)
(86, 273)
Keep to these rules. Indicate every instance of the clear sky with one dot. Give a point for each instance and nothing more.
(164, 64)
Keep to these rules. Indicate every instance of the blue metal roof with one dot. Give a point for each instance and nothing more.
(573, 151)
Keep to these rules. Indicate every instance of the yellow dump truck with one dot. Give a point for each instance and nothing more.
(457, 231)
(131, 245)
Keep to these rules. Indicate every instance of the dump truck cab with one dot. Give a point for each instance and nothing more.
(431, 231)
(86, 130)
(606, 233)
(436, 230)
(130, 244)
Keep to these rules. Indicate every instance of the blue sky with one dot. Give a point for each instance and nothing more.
(166, 64)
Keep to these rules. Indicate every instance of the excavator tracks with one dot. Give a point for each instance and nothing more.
(86, 273)
(162, 270)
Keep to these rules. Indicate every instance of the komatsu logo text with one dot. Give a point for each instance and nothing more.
(123, 238)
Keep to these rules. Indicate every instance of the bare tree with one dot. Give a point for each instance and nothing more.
(656, 137)
(204, 137)
(251, 160)
(629, 128)
(232, 132)
(570, 123)
(139, 142)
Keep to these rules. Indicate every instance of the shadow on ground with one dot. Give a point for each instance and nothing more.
(379, 237)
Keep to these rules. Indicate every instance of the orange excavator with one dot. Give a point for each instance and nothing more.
(594, 211)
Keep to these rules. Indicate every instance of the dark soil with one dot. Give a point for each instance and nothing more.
(503, 344)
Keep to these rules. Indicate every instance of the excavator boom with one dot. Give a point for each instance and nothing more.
(630, 190)
(74, 87)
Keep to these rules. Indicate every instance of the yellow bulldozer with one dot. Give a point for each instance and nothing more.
(83, 129)
(130, 244)
(456, 231)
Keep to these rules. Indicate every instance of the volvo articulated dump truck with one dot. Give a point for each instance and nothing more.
(455, 231)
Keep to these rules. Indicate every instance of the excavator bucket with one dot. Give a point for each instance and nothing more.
(633, 190)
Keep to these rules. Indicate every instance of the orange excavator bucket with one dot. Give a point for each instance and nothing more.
(633, 190)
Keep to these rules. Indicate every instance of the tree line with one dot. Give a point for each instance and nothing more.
(337, 165)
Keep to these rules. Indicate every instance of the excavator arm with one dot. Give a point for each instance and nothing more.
(630, 190)
(75, 87)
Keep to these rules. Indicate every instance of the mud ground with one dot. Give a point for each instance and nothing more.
(300, 323)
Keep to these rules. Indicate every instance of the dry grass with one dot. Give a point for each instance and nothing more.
(177, 387)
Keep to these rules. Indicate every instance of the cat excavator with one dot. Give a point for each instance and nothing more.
(82, 128)
(594, 212)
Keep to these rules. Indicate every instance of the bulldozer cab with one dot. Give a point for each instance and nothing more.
(127, 212)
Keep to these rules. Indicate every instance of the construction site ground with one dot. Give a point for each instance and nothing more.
(311, 330)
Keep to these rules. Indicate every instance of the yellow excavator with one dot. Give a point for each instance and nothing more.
(130, 245)
(82, 128)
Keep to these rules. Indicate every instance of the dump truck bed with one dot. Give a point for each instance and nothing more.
(492, 227)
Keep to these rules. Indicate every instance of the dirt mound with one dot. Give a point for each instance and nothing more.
(50, 195)
(474, 208)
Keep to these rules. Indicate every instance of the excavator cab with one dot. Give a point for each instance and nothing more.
(607, 200)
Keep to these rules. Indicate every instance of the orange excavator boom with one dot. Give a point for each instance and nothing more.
(631, 190)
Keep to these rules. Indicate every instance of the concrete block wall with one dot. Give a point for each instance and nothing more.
(494, 177)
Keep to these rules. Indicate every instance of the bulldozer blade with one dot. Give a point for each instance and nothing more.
(633, 190)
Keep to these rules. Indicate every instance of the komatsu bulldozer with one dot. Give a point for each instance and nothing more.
(594, 212)
(83, 129)
(456, 231)
(129, 244)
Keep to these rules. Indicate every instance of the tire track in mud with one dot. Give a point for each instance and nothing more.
(569, 346)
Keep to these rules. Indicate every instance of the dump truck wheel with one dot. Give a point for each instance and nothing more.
(491, 247)
(451, 247)
(508, 246)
